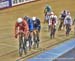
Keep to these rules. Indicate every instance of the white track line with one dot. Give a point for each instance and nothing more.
(8, 45)
(52, 53)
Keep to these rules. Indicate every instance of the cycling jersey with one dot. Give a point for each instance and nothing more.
(21, 27)
(30, 24)
(68, 20)
(37, 24)
(53, 20)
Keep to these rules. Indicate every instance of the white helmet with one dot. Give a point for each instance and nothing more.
(19, 20)
(52, 13)
(33, 18)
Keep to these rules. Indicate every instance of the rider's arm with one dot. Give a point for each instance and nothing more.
(60, 16)
(39, 23)
(71, 21)
(26, 26)
(50, 20)
(49, 23)
(16, 29)
(56, 20)
(16, 26)
(44, 10)
(65, 20)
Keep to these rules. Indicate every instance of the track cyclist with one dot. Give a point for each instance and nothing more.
(31, 28)
(47, 10)
(37, 27)
(68, 23)
(62, 17)
(21, 31)
(52, 23)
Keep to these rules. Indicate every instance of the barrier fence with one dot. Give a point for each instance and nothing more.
(10, 3)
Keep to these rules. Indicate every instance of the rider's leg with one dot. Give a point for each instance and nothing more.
(30, 40)
(44, 18)
(48, 27)
(66, 30)
(61, 24)
(51, 32)
(69, 28)
(25, 42)
(20, 45)
(34, 37)
(38, 38)
(25, 46)
(54, 30)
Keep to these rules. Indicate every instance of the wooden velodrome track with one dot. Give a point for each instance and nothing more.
(9, 45)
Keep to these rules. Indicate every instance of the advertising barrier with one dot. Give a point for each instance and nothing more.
(5, 3)
(11, 3)
(17, 2)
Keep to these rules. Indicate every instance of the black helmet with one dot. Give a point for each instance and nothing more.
(26, 17)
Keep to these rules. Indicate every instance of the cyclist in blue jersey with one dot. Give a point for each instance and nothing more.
(62, 17)
(31, 28)
(37, 27)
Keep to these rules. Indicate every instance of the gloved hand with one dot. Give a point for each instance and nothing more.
(15, 35)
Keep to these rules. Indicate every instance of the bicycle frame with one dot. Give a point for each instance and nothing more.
(22, 43)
